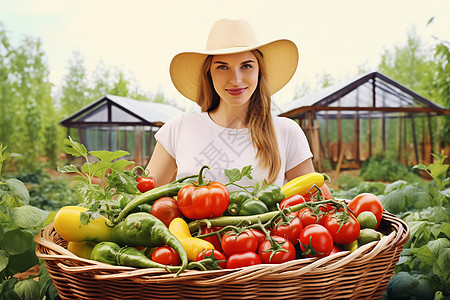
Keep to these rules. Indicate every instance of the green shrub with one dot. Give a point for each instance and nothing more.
(385, 169)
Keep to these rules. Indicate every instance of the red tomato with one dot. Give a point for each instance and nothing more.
(260, 236)
(278, 257)
(307, 217)
(291, 201)
(367, 202)
(316, 240)
(245, 241)
(166, 209)
(239, 260)
(342, 234)
(289, 231)
(217, 255)
(166, 255)
(145, 183)
(213, 239)
(203, 201)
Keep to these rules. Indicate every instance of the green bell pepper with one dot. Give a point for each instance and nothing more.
(270, 194)
(242, 203)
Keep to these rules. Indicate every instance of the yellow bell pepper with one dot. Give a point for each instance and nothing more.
(192, 245)
(300, 185)
(67, 224)
(81, 249)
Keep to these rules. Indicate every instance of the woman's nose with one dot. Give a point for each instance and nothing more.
(236, 77)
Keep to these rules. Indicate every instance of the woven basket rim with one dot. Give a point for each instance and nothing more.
(48, 250)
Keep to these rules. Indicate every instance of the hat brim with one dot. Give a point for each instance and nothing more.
(280, 57)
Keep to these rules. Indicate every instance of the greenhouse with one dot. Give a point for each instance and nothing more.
(372, 114)
(118, 123)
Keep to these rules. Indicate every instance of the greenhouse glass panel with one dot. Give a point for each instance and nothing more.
(98, 115)
(120, 116)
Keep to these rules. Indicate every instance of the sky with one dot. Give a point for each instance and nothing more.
(142, 36)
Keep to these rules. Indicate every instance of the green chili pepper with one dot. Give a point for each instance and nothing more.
(112, 253)
(271, 195)
(168, 190)
(144, 229)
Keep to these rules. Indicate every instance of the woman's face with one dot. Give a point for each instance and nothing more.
(235, 77)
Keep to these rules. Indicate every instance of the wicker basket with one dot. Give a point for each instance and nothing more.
(362, 274)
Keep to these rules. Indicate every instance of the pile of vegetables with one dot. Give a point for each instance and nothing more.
(123, 219)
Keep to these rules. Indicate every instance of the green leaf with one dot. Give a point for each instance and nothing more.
(396, 185)
(24, 261)
(4, 259)
(247, 171)
(120, 165)
(74, 148)
(8, 289)
(19, 189)
(233, 175)
(17, 241)
(69, 169)
(440, 249)
(445, 229)
(97, 168)
(28, 216)
(123, 182)
(394, 202)
(27, 289)
(108, 156)
(13, 201)
(236, 175)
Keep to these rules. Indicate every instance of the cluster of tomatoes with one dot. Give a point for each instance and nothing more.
(313, 231)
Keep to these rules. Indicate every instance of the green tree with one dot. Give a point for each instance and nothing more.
(442, 85)
(410, 65)
(75, 91)
(7, 112)
(31, 100)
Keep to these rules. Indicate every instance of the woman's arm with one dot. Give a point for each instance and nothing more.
(302, 168)
(162, 166)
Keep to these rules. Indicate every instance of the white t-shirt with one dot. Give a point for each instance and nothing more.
(194, 140)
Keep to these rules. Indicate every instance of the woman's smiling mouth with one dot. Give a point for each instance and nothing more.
(236, 92)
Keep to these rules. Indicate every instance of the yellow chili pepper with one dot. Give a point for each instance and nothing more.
(302, 184)
(193, 246)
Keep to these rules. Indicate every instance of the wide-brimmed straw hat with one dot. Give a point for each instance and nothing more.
(229, 37)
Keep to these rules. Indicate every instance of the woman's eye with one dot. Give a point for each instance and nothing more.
(247, 66)
(222, 67)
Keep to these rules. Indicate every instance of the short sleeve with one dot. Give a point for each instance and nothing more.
(296, 144)
(167, 134)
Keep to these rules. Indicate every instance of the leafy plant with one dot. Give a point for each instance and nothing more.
(109, 170)
(20, 222)
(378, 168)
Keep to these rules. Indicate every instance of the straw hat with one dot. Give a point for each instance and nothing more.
(229, 37)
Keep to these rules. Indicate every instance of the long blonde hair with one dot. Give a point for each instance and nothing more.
(258, 119)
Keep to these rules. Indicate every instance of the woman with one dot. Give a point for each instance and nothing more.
(232, 81)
